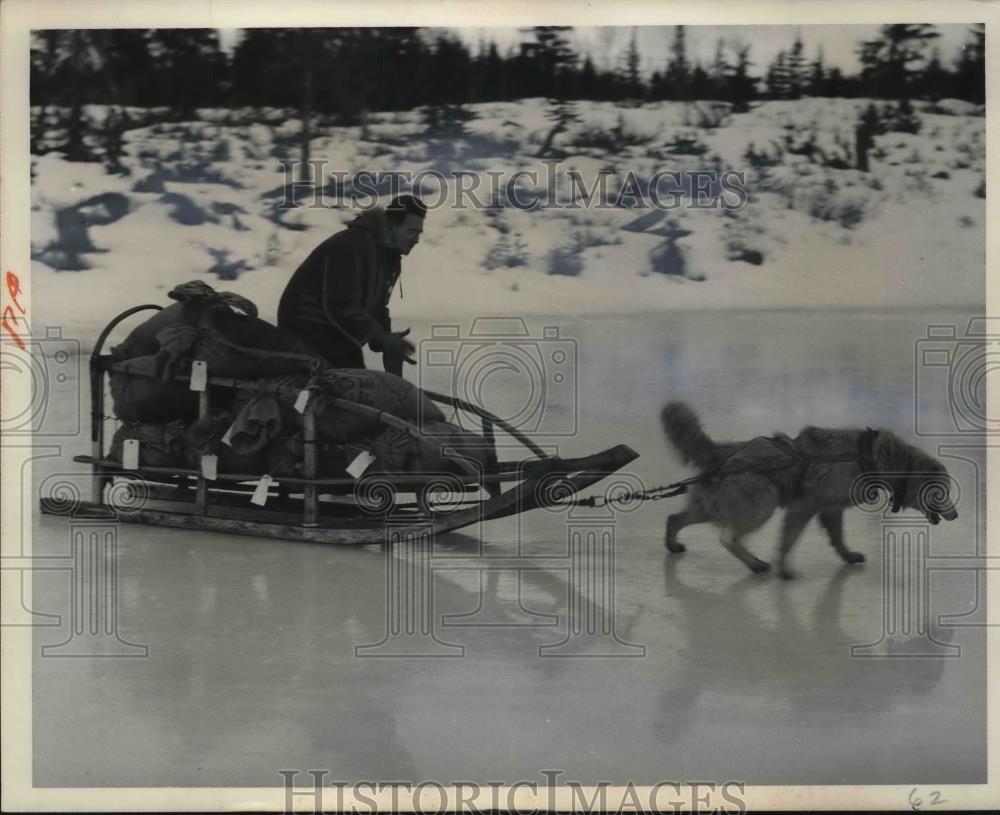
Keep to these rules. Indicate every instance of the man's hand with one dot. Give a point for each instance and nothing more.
(396, 350)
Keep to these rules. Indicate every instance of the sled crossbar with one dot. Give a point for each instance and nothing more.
(400, 479)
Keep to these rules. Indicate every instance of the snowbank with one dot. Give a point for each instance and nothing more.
(200, 202)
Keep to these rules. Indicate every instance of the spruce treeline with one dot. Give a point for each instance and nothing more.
(903, 62)
(346, 73)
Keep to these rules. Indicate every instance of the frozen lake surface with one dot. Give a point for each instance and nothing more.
(708, 673)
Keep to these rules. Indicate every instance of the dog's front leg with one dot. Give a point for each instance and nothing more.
(833, 522)
(796, 519)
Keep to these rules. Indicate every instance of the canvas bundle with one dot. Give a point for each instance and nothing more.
(200, 306)
(441, 447)
(160, 445)
(180, 345)
(138, 394)
(220, 328)
(384, 392)
(205, 437)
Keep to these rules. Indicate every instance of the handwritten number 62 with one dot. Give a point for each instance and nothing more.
(916, 801)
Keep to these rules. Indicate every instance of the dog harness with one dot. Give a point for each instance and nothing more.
(898, 486)
(864, 457)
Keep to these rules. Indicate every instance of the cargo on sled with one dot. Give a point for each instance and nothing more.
(226, 423)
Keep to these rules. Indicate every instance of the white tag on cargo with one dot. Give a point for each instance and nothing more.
(260, 493)
(302, 401)
(210, 467)
(199, 375)
(130, 454)
(357, 467)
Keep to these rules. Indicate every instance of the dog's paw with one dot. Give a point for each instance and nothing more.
(760, 567)
(854, 557)
(676, 548)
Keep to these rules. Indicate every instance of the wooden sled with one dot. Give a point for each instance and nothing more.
(340, 510)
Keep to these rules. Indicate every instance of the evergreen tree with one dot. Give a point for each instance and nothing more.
(817, 75)
(75, 149)
(632, 76)
(265, 69)
(892, 64)
(548, 56)
(191, 69)
(127, 69)
(700, 86)
(719, 71)
(935, 81)
(46, 59)
(448, 71)
(588, 79)
(970, 67)
(834, 85)
(778, 83)
(677, 79)
(493, 88)
(795, 67)
(308, 48)
(403, 60)
(553, 47)
(741, 86)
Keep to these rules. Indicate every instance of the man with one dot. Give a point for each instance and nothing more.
(337, 300)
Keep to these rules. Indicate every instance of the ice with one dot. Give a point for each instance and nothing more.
(252, 666)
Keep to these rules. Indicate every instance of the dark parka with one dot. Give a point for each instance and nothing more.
(337, 300)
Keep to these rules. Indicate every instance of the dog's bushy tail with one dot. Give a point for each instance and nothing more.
(685, 432)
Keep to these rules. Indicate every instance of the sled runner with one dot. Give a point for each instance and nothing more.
(304, 503)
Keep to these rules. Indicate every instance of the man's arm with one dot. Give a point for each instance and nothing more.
(391, 363)
(385, 322)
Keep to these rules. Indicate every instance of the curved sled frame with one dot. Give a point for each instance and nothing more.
(184, 498)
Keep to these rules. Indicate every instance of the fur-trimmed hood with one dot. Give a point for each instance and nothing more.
(374, 222)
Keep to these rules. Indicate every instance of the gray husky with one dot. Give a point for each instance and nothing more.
(819, 473)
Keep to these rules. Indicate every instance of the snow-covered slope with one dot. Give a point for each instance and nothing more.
(199, 202)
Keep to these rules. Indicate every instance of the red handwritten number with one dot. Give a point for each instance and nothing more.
(9, 318)
(14, 289)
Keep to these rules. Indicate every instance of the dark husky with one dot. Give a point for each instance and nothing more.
(816, 474)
